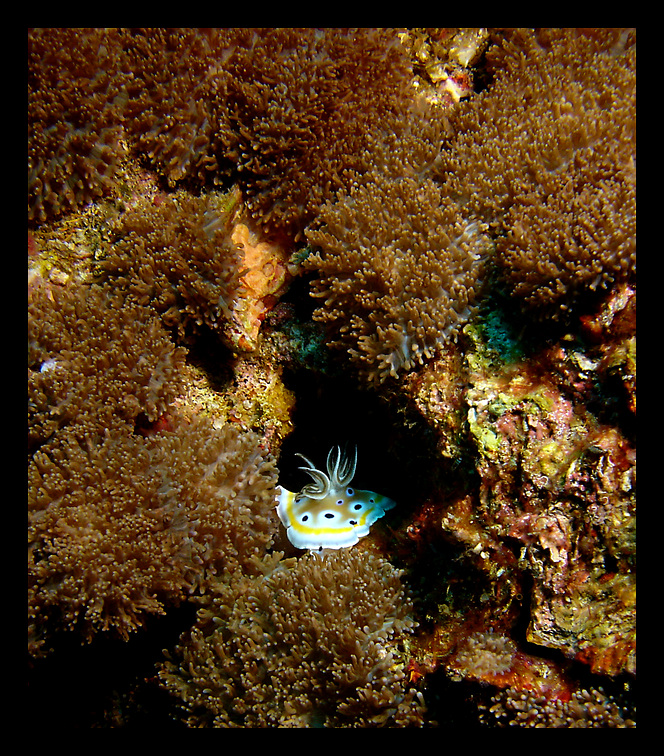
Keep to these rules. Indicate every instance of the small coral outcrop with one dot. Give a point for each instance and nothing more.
(399, 265)
(585, 708)
(95, 361)
(121, 525)
(486, 655)
(310, 644)
(175, 253)
(547, 156)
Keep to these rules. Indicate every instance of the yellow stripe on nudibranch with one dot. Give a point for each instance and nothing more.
(329, 513)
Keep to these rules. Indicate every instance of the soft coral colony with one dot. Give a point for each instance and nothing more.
(171, 172)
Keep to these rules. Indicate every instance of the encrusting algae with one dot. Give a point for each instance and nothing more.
(248, 243)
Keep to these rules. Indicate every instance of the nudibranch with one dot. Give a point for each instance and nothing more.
(329, 513)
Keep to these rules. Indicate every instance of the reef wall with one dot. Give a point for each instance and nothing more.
(247, 243)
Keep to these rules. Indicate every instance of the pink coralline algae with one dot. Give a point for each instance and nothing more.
(553, 516)
(563, 485)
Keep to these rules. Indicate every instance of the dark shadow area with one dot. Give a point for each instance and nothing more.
(395, 448)
(107, 683)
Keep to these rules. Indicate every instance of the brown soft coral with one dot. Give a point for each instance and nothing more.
(546, 155)
(305, 645)
(400, 264)
(122, 526)
(287, 110)
(95, 361)
(174, 83)
(75, 127)
(175, 253)
(583, 709)
(300, 106)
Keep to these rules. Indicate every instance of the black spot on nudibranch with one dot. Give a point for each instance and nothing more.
(357, 506)
(329, 515)
(350, 491)
(305, 518)
(352, 522)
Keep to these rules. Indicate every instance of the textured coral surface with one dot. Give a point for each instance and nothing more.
(250, 243)
(310, 645)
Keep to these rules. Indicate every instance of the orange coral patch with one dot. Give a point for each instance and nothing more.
(264, 279)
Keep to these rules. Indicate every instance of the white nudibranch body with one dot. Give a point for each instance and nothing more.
(329, 513)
